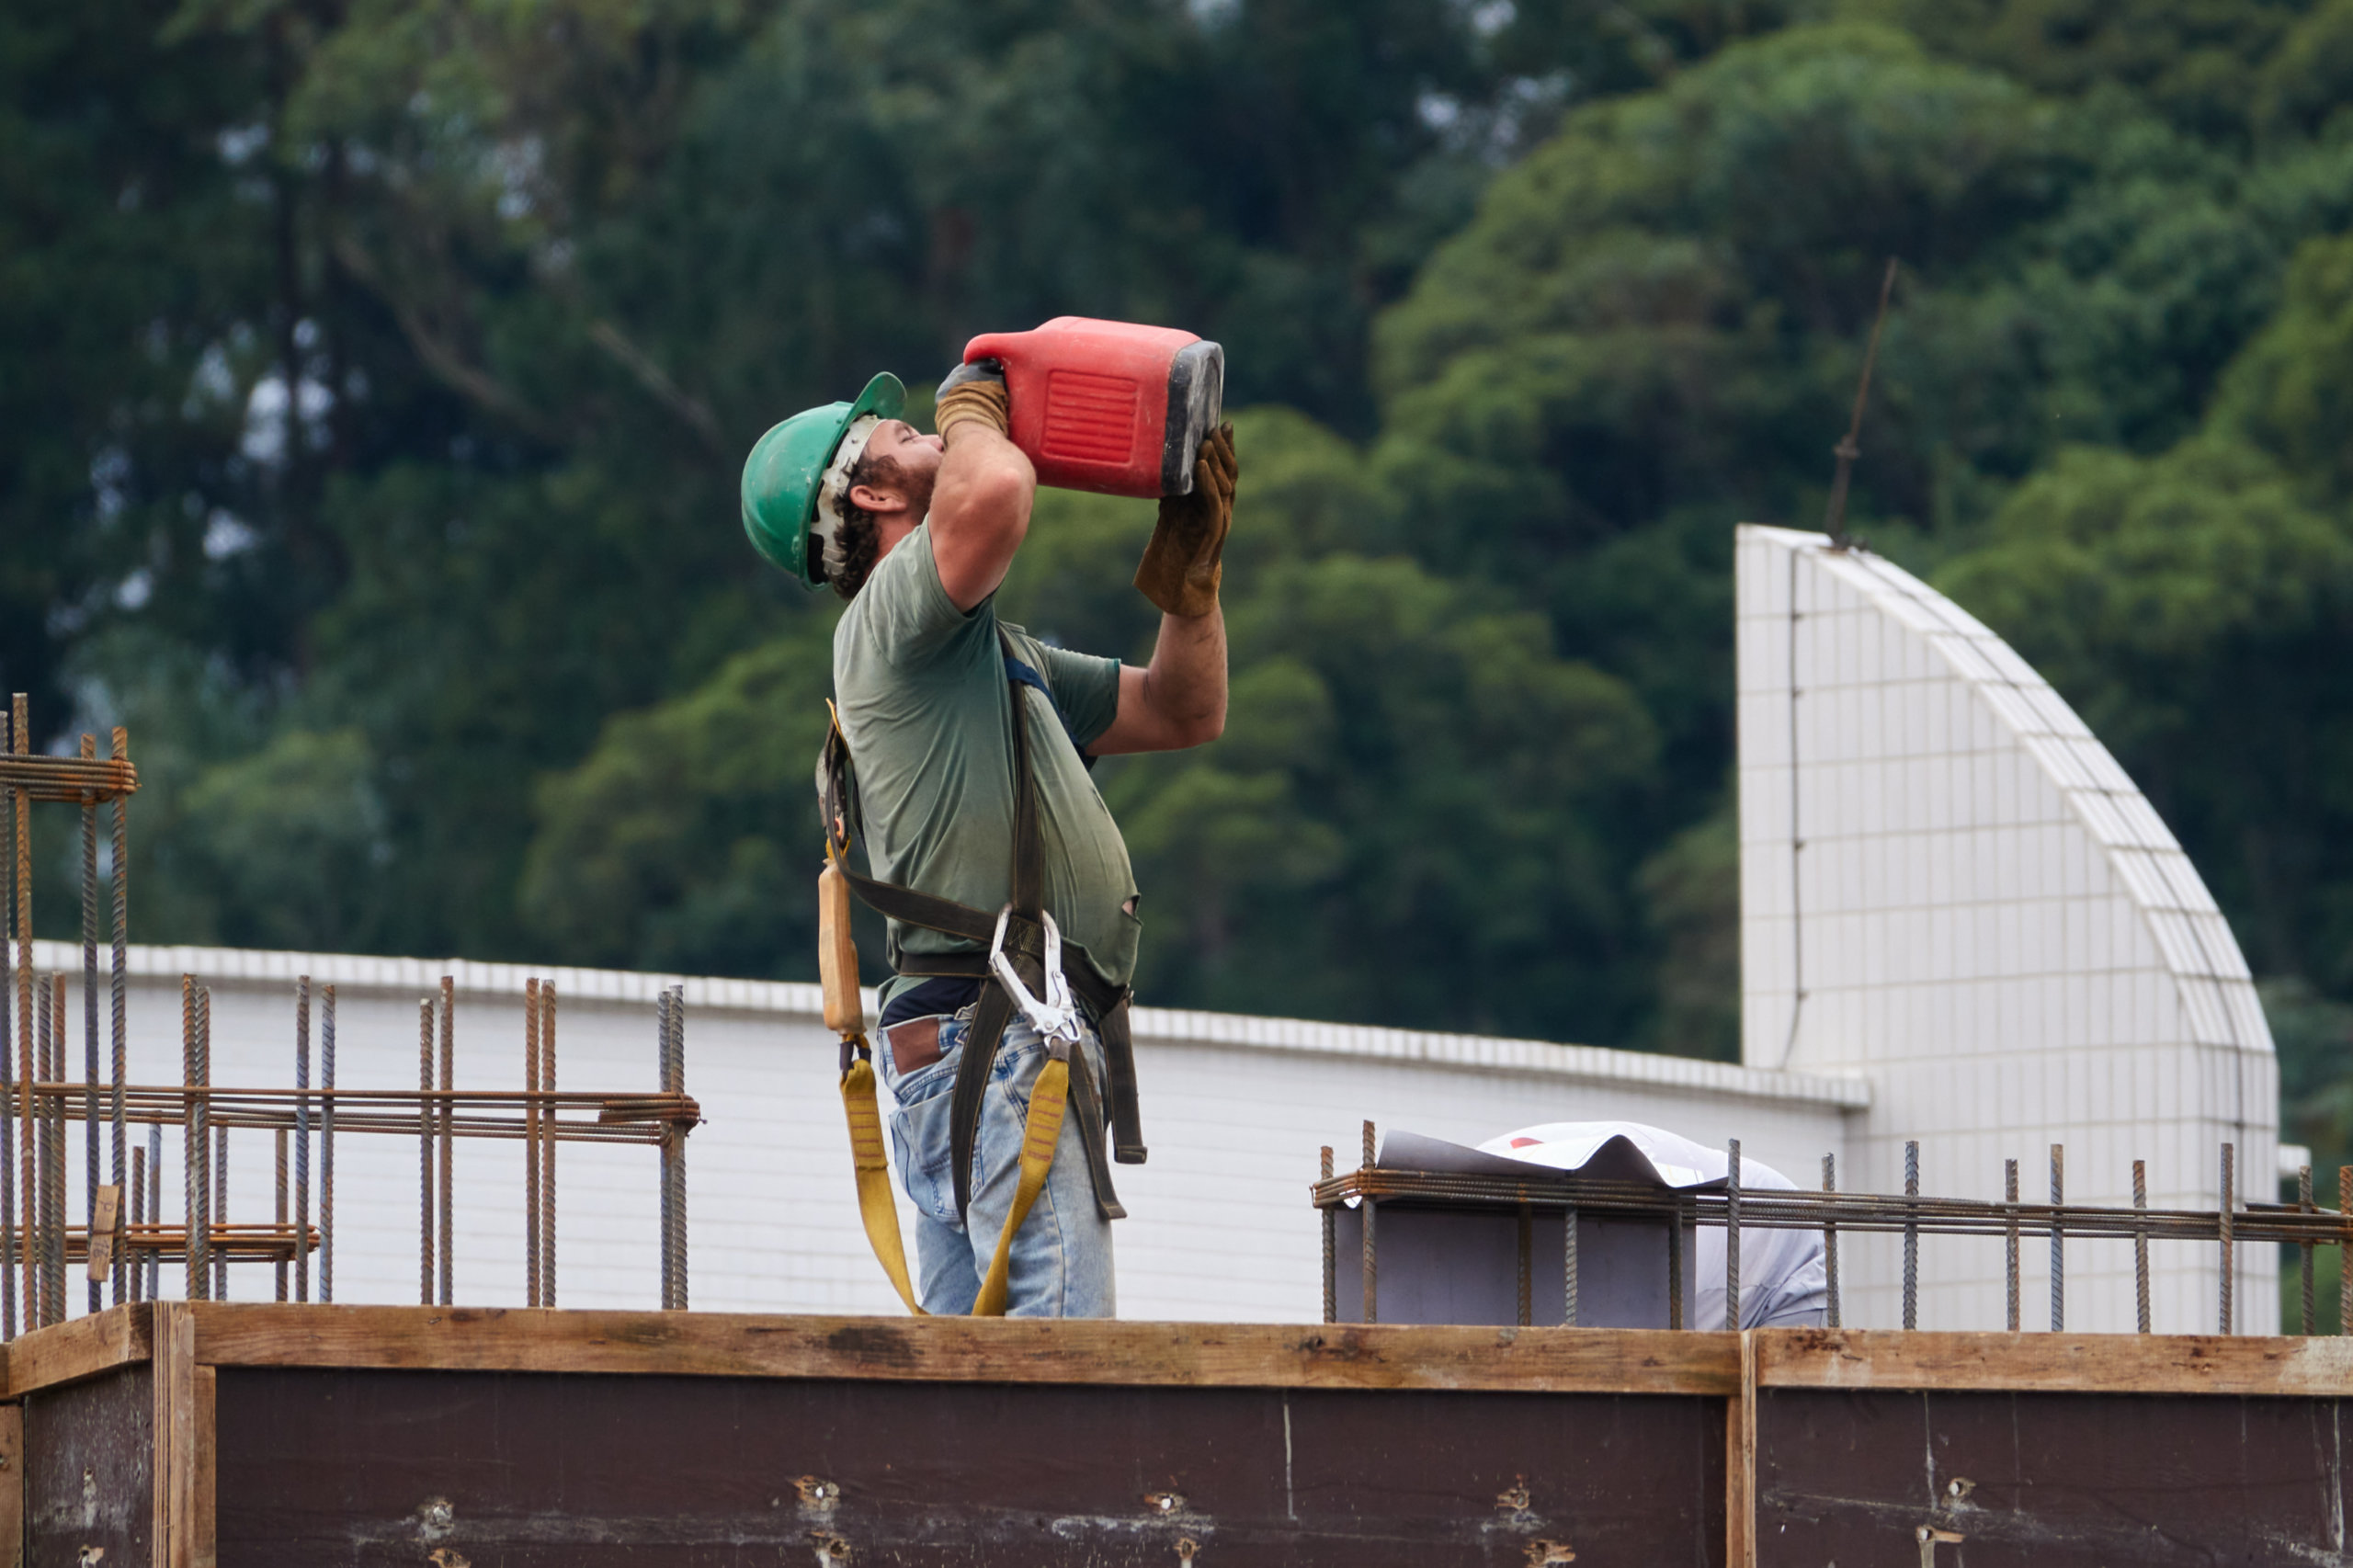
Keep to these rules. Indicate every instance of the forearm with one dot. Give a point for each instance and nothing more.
(1185, 683)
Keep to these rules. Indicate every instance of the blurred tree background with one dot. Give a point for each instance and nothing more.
(380, 371)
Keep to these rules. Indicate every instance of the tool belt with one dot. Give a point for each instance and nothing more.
(1018, 943)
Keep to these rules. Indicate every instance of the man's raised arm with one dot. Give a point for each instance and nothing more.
(1178, 699)
(980, 506)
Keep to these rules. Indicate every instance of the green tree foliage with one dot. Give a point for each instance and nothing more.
(379, 373)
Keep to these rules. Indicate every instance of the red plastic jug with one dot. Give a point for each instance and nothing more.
(1108, 405)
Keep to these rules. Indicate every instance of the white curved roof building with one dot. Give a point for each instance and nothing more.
(1950, 889)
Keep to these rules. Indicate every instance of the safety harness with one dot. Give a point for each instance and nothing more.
(1024, 965)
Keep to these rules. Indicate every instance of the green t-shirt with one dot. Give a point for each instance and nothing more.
(922, 691)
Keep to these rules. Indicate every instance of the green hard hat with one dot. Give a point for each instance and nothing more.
(783, 476)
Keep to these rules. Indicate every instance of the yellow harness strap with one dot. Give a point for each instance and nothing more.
(1039, 1133)
(876, 1206)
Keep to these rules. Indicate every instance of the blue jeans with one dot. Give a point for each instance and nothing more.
(1062, 1257)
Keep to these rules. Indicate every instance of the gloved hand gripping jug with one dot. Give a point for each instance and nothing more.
(1108, 406)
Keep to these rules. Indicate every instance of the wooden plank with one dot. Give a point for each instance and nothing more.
(177, 1468)
(12, 1486)
(1507, 1360)
(1740, 1462)
(2110, 1363)
(104, 1221)
(203, 1514)
(89, 1471)
(80, 1347)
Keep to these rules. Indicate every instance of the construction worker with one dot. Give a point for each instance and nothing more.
(963, 746)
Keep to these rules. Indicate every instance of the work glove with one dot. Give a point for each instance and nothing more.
(972, 394)
(1181, 566)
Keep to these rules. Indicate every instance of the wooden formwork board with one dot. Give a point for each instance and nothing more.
(191, 1434)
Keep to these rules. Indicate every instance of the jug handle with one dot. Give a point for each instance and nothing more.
(992, 345)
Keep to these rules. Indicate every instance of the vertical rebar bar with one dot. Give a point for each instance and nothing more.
(1912, 1234)
(547, 1144)
(135, 1195)
(154, 1208)
(191, 1167)
(1526, 1281)
(2344, 1252)
(425, 1151)
(2304, 1204)
(532, 1146)
(36, 1151)
(447, 1194)
(2225, 1218)
(1674, 1267)
(19, 739)
(2058, 1238)
(8, 1101)
(54, 1159)
(93, 1129)
(674, 1149)
(204, 1123)
(279, 1268)
(1569, 1266)
(2010, 1196)
(1732, 1235)
(302, 1138)
(1330, 1224)
(219, 1255)
(326, 1145)
(2141, 1246)
(1830, 1246)
(118, 883)
(664, 1004)
(1372, 1261)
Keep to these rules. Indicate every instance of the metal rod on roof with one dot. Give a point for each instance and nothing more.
(327, 1146)
(1830, 1245)
(1732, 1235)
(1328, 1219)
(2058, 1240)
(2141, 1246)
(119, 880)
(1833, 521)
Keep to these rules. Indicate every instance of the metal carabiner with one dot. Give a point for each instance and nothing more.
(1056, 1018)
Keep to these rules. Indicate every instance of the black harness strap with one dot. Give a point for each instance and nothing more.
(1024, 943)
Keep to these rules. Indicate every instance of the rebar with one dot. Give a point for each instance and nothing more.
(220, 1256)
(424, 1153)
(279, 1140)
(547, 1144)
(1912, 1235)
(2304, 1249)
(447, 1194)
(137, 1197)
(674, 1149)
(19, 739)
(202, 1240)
(327, 1146)
(1732, 1235)
(190, 1168)
(118, 883)
(52, 1157)
(7, 1101)
(1526, 1270)
(2223, 1231)
(1569, 1266)
(2010, 1197)
(1675, 1268)
(1328, 1221)
(2345, 1251)
(532, 1153)
(302, 1138)
(1830, 1245)
(91, 1127)
(2058, 1239)
(1372, 1262)
(155, 1207)
(2141, 1246)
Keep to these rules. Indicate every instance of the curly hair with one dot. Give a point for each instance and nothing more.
(860, 533)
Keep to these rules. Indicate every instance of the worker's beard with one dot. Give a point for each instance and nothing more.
(860, 533)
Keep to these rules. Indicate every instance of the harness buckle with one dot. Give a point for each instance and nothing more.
(1056, 1018)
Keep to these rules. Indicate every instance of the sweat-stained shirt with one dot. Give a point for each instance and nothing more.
(925, 705)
